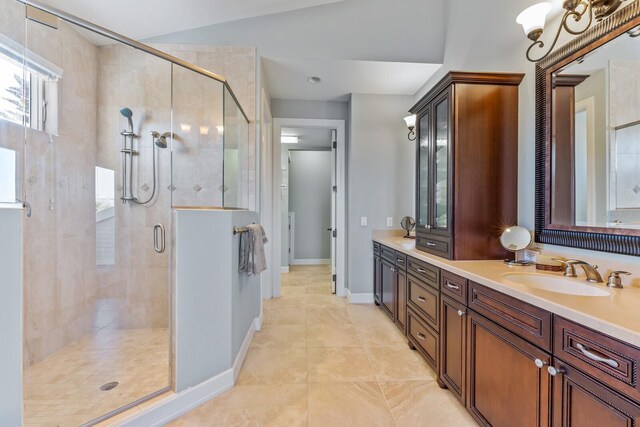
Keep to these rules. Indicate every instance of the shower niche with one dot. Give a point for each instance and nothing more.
(128, 134)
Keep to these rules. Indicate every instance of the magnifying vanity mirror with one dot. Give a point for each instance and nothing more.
(516, 239)
(407, 223)
(588, 139)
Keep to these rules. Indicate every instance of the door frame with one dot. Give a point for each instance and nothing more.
(273, 169)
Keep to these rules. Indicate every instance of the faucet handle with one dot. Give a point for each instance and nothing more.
(569, 269)
(615, 281)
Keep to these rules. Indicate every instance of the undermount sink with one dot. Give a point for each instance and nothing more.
(558, 285)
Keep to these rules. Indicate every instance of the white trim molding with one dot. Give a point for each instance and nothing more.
(311, 262)
(284, 269)
(360, 298)
(170, 408)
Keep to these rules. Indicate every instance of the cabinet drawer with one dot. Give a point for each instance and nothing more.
(388, 254)
(424, 300)
(437, 247)
(423, 338)
(423, 271)
(613, 362)
(454, 286)
(401, 260)
(530, 322)
(376, 248)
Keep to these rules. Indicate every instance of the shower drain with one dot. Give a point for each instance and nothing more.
(109, 386)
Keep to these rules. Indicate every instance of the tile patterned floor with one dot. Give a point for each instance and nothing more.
(319, 361)
(64, 389)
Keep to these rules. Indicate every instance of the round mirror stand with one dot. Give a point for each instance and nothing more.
(517, 240)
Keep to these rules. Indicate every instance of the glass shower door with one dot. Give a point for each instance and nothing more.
(98, 178)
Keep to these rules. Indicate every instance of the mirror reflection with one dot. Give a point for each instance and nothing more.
(595, 138)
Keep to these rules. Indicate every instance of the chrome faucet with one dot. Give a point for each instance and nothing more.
(590, 270)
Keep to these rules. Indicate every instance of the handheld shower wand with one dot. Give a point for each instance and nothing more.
(128, 114)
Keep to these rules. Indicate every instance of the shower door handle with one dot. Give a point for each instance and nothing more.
(159, 238)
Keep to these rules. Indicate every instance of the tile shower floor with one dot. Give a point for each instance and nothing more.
(64, 389)
(319, 361)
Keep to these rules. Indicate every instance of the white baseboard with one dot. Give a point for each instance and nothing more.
(167, 410)
(237, 364)
(359, 298)
(310, 262)
(284, 269)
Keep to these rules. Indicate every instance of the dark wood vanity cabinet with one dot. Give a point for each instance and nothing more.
(453, 346)
(494, 352)
(579, 400)
(377, 274)
(467, 139)
(390, 283)
(505, 386)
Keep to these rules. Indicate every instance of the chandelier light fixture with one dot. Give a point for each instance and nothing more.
(584, 12)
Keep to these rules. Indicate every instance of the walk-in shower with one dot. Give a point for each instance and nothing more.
(104, 138)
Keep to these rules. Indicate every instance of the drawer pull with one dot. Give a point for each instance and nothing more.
(461, 313)
(452, 286)
(421, 270)
(400, 260)
(431, 245)
(597, 358)
(420, 336)
(539, 363)
(555, 371)
(421, 299)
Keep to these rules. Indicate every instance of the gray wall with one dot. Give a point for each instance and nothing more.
(310, 200)
(324, 110)
(11, 317)
(214, 305)
(381, 169)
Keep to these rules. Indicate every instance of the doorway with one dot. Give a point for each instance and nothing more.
(305, 149)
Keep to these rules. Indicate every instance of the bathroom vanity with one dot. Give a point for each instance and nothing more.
(511, 352)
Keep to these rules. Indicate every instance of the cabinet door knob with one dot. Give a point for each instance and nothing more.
(539, 363)
(555, 371)
(461, 313)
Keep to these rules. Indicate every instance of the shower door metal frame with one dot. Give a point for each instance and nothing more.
(134, 44)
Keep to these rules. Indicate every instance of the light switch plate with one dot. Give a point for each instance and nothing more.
(389, 221)
(363, 221)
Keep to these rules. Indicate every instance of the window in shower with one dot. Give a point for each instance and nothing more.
(7, 175)
(28, 88)
(105, 216)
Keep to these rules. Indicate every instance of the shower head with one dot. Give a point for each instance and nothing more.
(128, 114)
(161, 140)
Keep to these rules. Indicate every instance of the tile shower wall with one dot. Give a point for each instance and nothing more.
(625, 147)
(238, 66)
(133, 291)
(59, 238)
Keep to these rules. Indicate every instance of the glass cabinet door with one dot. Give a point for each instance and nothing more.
(441, 164)
(424, 168)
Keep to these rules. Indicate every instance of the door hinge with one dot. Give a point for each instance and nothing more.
(335, 233)
(335, 188)
(335, 144)
(334, 278)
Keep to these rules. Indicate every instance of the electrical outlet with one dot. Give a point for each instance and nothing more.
(363, 221)
(389, 221)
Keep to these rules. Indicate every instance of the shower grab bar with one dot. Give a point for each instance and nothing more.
(159, 243)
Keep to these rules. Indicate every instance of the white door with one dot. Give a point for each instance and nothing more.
(334, 193)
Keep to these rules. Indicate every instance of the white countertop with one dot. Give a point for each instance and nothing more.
(617, 315)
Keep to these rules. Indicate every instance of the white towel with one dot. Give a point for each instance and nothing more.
(252, 258)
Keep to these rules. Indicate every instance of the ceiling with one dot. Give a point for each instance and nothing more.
(142, 19)
(355, 46)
